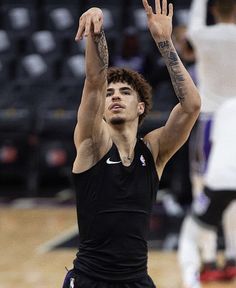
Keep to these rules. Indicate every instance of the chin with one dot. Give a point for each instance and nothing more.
(117, 121)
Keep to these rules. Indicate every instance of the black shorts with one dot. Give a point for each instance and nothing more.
(74, 279)
(210, 205)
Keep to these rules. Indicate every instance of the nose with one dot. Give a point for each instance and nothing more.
(116, 97)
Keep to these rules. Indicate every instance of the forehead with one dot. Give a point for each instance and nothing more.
(119, 85)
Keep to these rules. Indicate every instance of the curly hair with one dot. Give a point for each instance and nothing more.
(137, 82)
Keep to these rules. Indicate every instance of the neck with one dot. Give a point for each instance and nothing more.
(124, 132)
(125, 139)
(226, 20)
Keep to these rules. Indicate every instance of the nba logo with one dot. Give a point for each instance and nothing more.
(142, 159)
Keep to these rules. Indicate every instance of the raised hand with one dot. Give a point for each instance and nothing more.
(159, 23)
(90, 22)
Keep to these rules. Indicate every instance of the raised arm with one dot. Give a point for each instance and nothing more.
(90, 128)
(197, 18)
(167, 140)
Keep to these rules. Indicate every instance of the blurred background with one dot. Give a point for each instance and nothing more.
(41, 79)
(42, 74)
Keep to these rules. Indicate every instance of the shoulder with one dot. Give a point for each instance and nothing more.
(91, 150)
(152, 139)
(203, 35)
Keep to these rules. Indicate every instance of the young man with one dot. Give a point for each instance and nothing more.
(116, 175)
(215, 47)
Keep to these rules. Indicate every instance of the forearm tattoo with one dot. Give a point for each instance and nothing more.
(101, 45)
(174, 68)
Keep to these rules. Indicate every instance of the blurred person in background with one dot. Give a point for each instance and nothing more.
(215, 48)
(131, 55)
(116, 175)
(218, 197)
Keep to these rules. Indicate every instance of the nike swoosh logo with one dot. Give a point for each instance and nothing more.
(112, 162)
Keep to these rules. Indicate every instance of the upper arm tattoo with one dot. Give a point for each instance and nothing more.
(173, 65)
(101, 45)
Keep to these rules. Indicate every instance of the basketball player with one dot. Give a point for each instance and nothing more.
(220, 180)
(215, 48)
(116, 175)
(219, 191)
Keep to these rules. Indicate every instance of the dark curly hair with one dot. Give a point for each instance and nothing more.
(137, 82)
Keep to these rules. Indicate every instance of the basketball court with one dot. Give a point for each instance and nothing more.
(27, 261)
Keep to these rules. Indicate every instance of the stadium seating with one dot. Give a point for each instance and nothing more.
(42, 71)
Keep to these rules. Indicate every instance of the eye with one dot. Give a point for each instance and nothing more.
(109, 94)
(127, 92)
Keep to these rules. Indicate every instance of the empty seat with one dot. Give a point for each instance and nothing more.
(5, 43)
(33, 68)
(16, 115)
(57, 113)
(63, 22)
(46, 44)
(76, 65)
(113, 14)
(61, 19)
(140, 19)
(56, 119)
(21, 20)
(73, 69)
(7, 48)
(16, 124)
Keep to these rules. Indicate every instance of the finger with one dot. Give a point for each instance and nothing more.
(158, 6)
(147, 7)
(81, 29)
(164, 7)
(97, 25)
(171, 10)
(87, 27)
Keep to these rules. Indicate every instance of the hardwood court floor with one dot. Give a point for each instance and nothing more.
(22, 231)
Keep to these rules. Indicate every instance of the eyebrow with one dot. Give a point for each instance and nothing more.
(121, 89)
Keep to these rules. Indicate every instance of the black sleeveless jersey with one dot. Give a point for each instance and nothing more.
(114, 204)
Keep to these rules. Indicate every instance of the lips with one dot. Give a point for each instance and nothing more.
(115, 106)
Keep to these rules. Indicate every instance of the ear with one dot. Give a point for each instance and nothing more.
(141, 108)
